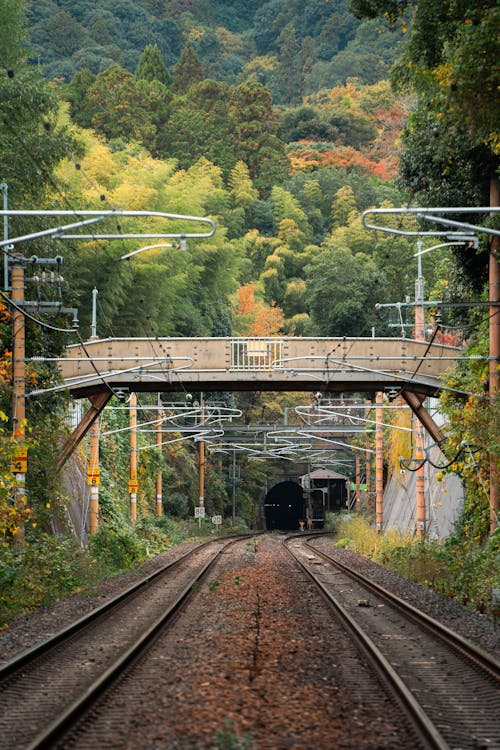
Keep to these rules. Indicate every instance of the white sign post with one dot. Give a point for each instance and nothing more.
(199, 513)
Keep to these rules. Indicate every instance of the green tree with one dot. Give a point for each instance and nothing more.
(343, 205)
(31, 141)
(342, 289)
(119, 111)
(188, 70)
(200, 125)
(241, 185)
(152, 67)
(65, 34)
(12, 33)
(289, 66)
(77, 95)
(254, 129)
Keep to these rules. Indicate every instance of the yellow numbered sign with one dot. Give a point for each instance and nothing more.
(133, 485)
(20, 462)
(94, 477)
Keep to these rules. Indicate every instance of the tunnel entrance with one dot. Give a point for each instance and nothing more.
(284, 507)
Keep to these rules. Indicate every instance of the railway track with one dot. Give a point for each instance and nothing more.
(448, 686)
(46, 689)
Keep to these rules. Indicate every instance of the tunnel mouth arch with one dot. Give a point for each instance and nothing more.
(284, 506)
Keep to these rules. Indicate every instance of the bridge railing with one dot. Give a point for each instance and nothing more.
(255, 353)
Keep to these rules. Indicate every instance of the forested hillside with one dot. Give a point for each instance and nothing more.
(294, 48)
(276, 119)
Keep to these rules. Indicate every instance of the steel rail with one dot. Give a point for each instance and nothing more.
(58, 726)
(427, 732)
(39, 649)
(473, 653)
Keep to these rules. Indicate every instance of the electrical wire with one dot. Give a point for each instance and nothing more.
(36, 320)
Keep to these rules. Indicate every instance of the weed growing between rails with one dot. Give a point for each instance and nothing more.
(460, 568)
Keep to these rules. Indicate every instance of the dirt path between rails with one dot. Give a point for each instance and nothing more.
(256, 662)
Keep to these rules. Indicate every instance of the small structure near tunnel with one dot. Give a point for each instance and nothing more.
(319, 492)
(325, 491)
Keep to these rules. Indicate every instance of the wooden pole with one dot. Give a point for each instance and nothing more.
(133, 484)
(358, 484)
(494, 366)
(19, 465)
(379, 464)
(159, 476)
(93, 478)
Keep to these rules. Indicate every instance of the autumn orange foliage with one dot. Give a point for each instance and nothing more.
(253, 317)
(343, 157)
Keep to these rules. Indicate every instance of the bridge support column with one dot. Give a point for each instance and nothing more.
(415, 401)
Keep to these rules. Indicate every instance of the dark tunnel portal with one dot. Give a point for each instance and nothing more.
(284, 506)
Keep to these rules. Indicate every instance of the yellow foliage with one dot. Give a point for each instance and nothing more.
(399, 441)
(135, 197)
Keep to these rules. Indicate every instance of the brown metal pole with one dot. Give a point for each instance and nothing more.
(133, 484)
(420, 520)
(419, 431)
(159, 476)
(358, 485)
(18, 390)
(379, 464)
(94, 478)
(201, 501)
(415, 401)
(368, 472)
(494, 366)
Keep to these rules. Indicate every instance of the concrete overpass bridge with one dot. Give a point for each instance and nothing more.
(100, 368)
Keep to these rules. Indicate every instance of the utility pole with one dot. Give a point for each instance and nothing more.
(133, 484)
(159, 475)
(420, 519)
(201, 501)
(494, 362)
(20, 462)
(379, 464)
(358, 484)
(5, 188)
(94, 472)
(93, 478)
(234, 489)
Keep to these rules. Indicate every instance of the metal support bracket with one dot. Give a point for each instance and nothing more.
(415, 401)
(98, 402)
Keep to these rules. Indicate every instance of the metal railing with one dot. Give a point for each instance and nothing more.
(255, 353)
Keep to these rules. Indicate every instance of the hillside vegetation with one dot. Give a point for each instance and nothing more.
(277, 120)
(294, 48)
